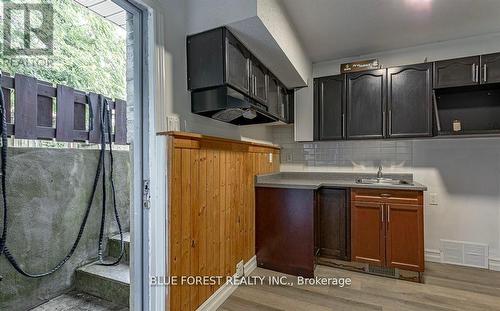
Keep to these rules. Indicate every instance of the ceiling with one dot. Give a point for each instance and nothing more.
(334, 29)
(107, 9)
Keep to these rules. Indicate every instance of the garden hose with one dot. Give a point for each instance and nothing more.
(105, 117)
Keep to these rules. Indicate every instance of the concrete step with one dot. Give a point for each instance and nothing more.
(114, 247)
(76, 301)
(111, 283)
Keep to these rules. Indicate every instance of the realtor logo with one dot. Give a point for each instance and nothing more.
(28, 29)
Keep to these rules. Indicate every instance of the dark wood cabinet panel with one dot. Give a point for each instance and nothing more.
(409, 100)
(284, 101)
(456, 72)
(273, 96)
(405, 237)
(259, 82)
(366, 104)
(490, 68)
(237, 65)
(284, 224)
(333, 224)
(329, 106)
(203, 73)
(367, 233)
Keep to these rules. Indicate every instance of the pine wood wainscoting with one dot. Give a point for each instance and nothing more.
(211, 209)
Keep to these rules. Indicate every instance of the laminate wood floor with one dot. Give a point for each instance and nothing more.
(446, 287)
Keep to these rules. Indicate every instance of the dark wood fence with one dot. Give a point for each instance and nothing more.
(44, 111)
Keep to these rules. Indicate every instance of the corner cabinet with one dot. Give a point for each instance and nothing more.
(409, 101)
(329, 108)
(366, 104)
(387, 228)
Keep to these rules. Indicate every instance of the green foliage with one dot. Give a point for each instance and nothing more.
(89, 52)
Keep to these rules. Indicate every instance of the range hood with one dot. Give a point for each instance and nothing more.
(228, 105)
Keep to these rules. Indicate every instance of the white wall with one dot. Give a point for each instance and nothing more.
(464, 173)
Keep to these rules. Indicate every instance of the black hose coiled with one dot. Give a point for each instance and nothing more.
(105, 115)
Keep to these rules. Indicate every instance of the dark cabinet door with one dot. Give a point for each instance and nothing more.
(284, 100)
(456, 72)
(329, 102)
(273, 96)
(405, 237)
(258, 82)
(367, 233)
(237, 65)
(334, 224)
(365, 102)
(284, 230)
(490, 68)
(290, 109)
(409, 101)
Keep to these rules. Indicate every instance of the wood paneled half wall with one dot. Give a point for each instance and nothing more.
(211, 209)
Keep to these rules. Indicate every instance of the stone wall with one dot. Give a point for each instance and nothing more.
(48, 191)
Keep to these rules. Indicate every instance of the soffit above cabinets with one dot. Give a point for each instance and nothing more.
(264, 29)
(334, 29)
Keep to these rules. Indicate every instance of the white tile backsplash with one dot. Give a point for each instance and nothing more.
(342, 154)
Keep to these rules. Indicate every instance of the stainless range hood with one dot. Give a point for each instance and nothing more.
(228, 105)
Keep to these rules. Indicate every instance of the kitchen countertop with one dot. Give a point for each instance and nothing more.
(315, 180)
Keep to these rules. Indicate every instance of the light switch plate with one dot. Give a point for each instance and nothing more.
(173, 123)
(433, 198)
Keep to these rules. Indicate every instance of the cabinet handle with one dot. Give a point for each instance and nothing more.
(388, 213)
(343, 124)
(384, 122)
(473, 72)
(477, 73)
(382, 215)
(390, 122)
(385, 195)
(484, 73)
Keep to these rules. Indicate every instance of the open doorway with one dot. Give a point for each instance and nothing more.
(67, 108)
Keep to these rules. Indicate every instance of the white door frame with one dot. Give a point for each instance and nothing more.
(142, 165)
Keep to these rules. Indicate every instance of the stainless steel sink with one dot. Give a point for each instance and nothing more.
(387, 181)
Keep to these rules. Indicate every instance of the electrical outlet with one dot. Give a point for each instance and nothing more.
(270, 157)
(240, 269)
(173, 123)
(433, 198)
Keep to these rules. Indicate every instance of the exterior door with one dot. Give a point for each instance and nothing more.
(405, 237)
(329, 101)
(409, 101)
(456, 72)
(368, 233)
(490, 68)
(366, 101)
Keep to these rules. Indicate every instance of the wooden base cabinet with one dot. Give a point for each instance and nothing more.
(387, 228)
(333, 224)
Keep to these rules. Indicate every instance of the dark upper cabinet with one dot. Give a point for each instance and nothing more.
(409, 100)
(490, 68)
(365, 101)
(237, 64)
(333, 232)
(283, 103)
(329, 108)
(273, 95)
(456, 72)
(258, 82)
(290, 108)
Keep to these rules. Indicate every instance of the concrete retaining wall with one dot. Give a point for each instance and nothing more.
(48, 191)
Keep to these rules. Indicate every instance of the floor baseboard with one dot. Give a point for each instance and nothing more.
(218, 298)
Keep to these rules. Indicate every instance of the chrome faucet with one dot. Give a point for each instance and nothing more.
(379, 173)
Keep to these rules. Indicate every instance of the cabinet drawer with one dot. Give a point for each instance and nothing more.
(387, 196)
